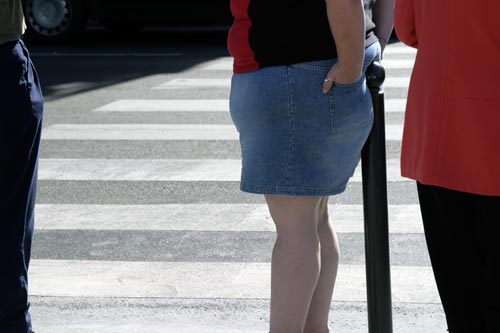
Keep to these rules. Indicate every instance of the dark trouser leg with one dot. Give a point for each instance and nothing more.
(489, 232)
(21, 108)
(453, 242)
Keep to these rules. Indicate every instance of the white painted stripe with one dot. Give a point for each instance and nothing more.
(398, 63)
(220, 170)
(204, 217)
(70, 278)
(201, 105)
(159, 132)
(139, 170)
(220, 64)
(226, 64)
(390, 82)
(166, 105)
(104, 54)
(195, 83)
(400, 49)
(139, 132)
(395, 105)
(393, 132)
(397, 82)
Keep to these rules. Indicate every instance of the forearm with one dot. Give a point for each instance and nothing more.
(383, 17)
(347, 22)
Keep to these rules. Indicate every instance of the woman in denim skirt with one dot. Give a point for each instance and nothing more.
(303, 111)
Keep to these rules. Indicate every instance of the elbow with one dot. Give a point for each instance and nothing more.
(404, 22)
(407, 36)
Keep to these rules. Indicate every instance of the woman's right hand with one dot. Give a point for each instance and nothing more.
(339, 74)
(347, 22)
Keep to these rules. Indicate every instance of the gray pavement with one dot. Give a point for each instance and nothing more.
(100, 266)
(208, 316)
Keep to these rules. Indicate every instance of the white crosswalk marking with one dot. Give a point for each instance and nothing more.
(203, 280)
(208, 217)
(226, 64)
(161, 170)
(177, 248)
(202, 105)
(159, 132)
(390, 82)
(399, 49)
(166, 105)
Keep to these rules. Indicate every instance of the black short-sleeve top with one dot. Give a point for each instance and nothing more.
(283, 32)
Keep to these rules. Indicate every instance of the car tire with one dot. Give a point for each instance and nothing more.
(54, 20)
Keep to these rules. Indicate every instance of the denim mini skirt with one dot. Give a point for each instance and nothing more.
(295, 140)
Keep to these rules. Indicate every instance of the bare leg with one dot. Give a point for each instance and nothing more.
(317, 318)
(296, 260)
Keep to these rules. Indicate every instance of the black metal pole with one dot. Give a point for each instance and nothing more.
(378, 276)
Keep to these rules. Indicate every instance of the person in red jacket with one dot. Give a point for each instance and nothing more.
(451, 147)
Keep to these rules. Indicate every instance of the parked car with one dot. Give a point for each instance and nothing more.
(62, 20)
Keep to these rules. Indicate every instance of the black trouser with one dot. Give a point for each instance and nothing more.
(463, 238)
(21, 107)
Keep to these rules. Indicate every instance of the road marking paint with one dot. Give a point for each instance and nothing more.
(166, 105)
(195, 83)
(226, 64)
(139, 132)
(398, 63)
(185, 83)
(220, 170)
(403, 219)
(202, 105)
(399, 49)
(159, 132)
(395, 105)
(81, 278)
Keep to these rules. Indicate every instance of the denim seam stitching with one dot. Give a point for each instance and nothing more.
(292, 129)
(291, 190)
(331, 102)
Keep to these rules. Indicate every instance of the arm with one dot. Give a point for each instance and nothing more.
(347, 23)
(383, 17)
(404, 21)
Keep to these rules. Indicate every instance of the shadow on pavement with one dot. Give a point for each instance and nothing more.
(101, 58)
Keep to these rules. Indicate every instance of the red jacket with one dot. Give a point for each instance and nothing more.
(452, 127)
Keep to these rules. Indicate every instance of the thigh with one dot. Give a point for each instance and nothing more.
(20, 121)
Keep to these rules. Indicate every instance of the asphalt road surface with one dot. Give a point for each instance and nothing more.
(140, 223)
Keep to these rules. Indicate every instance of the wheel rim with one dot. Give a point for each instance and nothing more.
(49, 17)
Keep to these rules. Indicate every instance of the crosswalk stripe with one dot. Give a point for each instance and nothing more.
(226, 64)
(183, 83)
(221, 170)
(399, 49)
(395, 104)
(159, 132)
(204, 217)
(201, 105)
(81, 278)
(166, 105)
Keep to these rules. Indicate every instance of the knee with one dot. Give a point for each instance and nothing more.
(291, 213)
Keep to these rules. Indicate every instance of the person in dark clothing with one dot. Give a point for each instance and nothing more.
(21, 108)
(303, 111)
